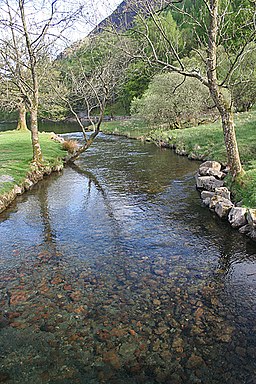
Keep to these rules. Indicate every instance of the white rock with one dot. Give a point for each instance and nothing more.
(17, 190)
(222, 191)
(237, 217)
(206, 197)
(208, 182)
(211, 164)
(204, 171)
(28, 184)
(214, 200)
(223, 207)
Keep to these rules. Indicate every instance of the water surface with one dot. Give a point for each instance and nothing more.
(113, 272)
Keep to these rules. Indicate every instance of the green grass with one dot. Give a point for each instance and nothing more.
(206, 142)
(16, 155)
(132, 128)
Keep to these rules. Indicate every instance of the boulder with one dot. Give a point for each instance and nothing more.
(223, 207)
(28, 184)
(210, 183)
(251, 217)
(214, 200)
(206, 197)
(237, 217)
(245, 229)
(249, 231)
(17, 190)
(223, 192)
(211, 164)
(204, 171)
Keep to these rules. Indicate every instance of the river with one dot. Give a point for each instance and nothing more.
(113, 272)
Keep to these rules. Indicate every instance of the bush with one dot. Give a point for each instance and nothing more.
(174, 99)
(70, 145)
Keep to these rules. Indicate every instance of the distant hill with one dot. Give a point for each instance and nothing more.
(121, 18)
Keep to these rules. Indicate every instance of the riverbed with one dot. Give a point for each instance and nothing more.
(113, 272)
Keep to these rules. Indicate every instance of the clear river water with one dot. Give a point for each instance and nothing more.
(113, 272)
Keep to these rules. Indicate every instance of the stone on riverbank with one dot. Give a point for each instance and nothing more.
(208, 171)
(223, 192)
(249, 231)
(237, 217)
(209, 179)
(36, 174)
(210, 164)
(209, 183)
(223, 207)
(206, 197)
(251, 217)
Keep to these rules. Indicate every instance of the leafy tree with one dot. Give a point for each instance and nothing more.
(170, 99)
(213, 19)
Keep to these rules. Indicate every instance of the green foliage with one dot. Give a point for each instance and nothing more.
(8, 116)
(235, 23)
(174, 99)
(242, 79)
(52, 90)
(237, 26)
(136, 81)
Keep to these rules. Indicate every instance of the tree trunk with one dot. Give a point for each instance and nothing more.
(37, 153)
(224, 106)
(228, 126)
(22, 124)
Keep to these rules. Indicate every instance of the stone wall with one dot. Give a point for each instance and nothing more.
(210, 183)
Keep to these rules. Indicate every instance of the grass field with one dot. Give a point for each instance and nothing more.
(16, 155)
(206, 142)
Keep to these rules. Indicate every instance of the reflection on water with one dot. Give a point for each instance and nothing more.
(114, 273)
(57, 127)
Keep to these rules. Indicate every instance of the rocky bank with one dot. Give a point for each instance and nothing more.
(210, 183)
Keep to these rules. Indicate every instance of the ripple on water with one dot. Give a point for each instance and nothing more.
(114, 273)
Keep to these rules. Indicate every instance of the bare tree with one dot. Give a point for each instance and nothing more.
(26, 40)
(92, 81)
(212, 22)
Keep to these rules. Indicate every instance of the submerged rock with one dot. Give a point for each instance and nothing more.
(195, 361)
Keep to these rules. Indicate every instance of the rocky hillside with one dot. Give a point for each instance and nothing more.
(121, 18)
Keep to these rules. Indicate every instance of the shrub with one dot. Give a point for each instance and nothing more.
(70, 145)
(174, 99)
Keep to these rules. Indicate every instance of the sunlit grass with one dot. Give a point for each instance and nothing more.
(16, 155)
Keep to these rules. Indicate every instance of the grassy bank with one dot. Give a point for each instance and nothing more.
(129, 128)
(206, 142)
(16, 155)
